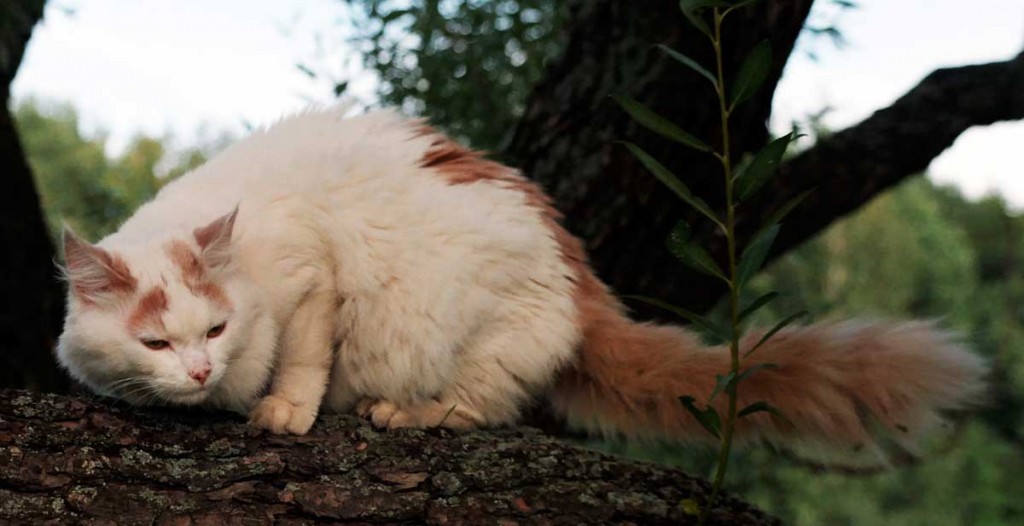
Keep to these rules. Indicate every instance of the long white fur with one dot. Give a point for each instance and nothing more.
(422, 292)
(359, 276)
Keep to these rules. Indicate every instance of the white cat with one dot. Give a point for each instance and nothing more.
(332, 263)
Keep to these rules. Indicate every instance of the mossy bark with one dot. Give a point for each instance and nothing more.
(83, 460)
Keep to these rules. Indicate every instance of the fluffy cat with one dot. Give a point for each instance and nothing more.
(370, 263)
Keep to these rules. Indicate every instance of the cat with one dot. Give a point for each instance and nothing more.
(371, 264)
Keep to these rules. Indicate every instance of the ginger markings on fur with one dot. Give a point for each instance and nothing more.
(373, 265)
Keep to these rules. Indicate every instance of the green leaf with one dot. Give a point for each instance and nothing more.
(755, 253)
(394, 15)
(778, 327)
(758, 407)
(721, 383)
(752, 73)
(670, 180)
(763, 166)
(687, 61)
(761, 301)
(737, 5)
(691, 10)
(658, 124)
(751, 370)
(340, 88)
(698, 320)
(708, 417)
(692, 254)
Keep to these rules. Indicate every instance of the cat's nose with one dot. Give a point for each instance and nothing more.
(200, 374)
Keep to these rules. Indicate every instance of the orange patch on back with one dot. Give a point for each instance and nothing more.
(149, 311)
(460, 165)
(195, 274)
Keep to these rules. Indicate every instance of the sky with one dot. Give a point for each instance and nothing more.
(195, 68)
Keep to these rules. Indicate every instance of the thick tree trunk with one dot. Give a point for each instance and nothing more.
(72, 460)
(33, 301)
(567, 138)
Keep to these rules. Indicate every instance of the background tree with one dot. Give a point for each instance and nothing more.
(956, 258)
(466, 65)
(949, 258)
(566, 136)
(33, 299)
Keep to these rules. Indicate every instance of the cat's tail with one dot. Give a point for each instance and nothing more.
(856, 394)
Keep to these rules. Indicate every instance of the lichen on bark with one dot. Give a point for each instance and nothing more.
(83, 460)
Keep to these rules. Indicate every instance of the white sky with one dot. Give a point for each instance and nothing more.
(162, 67)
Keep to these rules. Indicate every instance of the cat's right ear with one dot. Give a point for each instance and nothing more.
(214, 239)
(93, 273)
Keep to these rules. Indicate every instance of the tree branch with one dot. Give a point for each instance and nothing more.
(65, 459)
(852, 166)
(847, 169)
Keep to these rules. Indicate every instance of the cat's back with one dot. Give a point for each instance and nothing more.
(310, 155)
(408, 191)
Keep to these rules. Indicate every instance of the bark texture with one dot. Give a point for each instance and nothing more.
(33, 306)
(80, 460)
(567, 138)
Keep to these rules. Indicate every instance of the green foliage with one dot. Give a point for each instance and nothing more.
(79, 184)
(738, 186)
(467, 65)
(75, 179)
(753, 72)
(916, 251)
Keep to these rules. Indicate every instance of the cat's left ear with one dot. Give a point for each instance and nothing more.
(215, 239)
(94, 273)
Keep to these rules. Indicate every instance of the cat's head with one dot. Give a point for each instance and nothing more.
(157, 321)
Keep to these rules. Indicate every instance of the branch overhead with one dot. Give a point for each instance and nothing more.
(850, 167)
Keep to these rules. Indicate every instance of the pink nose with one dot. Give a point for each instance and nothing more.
(200, 374)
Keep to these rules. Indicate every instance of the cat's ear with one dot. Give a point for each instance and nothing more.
(94, 273)
(215, 239)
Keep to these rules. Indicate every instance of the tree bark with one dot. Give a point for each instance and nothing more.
(77, 460)
(567, 139)
(34, 302)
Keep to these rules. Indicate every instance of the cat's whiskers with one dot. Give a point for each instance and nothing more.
(132, 390)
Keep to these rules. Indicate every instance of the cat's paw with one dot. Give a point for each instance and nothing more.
(365, 406)
(385, 414)
(281, 417)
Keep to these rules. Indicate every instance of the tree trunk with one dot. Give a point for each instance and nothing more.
(73, 460)
(567, 138)
(31, 317)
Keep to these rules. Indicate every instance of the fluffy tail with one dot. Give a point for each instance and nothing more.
(856, 394)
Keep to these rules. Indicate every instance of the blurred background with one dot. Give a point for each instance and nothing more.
(917, 211)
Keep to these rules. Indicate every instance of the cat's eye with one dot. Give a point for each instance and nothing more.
(215, 331)
(157, 345)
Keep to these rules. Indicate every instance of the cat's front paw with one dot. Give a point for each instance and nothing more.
(279, 416)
